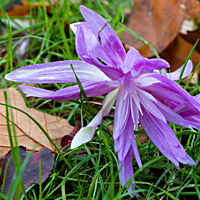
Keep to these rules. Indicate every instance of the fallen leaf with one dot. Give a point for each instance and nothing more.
(144, 50)
(17, 8)
(143, 138)
(28, 133)
(194, 77)
(192, 37)
(192, 9)
(178, 51)
(22, 8)
(31, 172)
(157, 21)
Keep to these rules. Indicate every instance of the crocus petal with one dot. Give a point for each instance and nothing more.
(74, 26)
(123, 133)
(164, 138)
(190, 113)
(147, 100)
(89, 50)
(144, 80)
(87, 44)
(109, 39)
(83, 49)
(56, 72)
(176, 74)
(136, 153)
(185, 110)
(134, 113)
(86, 133)
(166, 94)
(197, 97)
(139, 65)
(172, 116)
(125, 141)
(126, 170)
(116, 83)
(169, 90)
(91, 88)
(121, 113)
(111, 73)
(136, 99)
(194, 121)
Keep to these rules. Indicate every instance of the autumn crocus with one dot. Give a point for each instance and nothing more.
(141, 94)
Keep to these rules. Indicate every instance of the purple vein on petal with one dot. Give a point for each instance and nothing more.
(148, 101)
(121, 113)
(91, 88)
(56, 72)
(164, 138)
(109, 39)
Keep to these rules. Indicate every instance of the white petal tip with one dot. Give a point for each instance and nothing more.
(75, 143)
(73, 147)
(6, 77)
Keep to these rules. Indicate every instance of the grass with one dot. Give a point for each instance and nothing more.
(91, 171)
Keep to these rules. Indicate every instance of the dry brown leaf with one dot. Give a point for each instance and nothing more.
(192, 9)
(192, 37)
(143, 138)
(157, 21)
(22, 8)
(194, 77)
(28, 133)
(178, 51)
(144, 50)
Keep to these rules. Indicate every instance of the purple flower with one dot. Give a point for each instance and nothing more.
(142, 94)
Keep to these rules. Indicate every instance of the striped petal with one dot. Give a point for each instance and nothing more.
(56, 72)
(104, 32)
(87, 45)
(138, 65)
(121, 113)
(126, 171)
(176, 74)
(165, 139)
(125, 141)
(90, 51)
(169, 90)
(91, 88)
